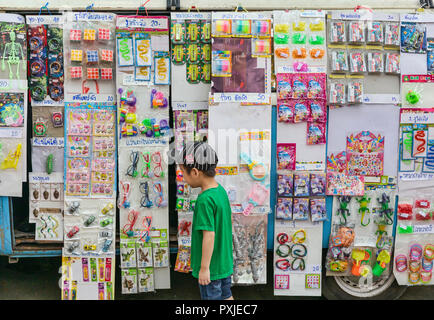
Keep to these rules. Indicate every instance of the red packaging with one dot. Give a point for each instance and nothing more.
(316, 133)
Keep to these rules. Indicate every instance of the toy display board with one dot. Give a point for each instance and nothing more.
(361, 238)
(244, 150)
(299, 41)
(417, 32)
(191, 56)
(301, 103)
(89, 236)
(348, 170)
(190, 125)
(414, 249)
(46, 86)
(88, 278)
(13, 105)
(416, 91)
(142, 79)
(415, 153)
(89, 193)
(46, 77)
(46, 199)
(143, 262)
(297, 258)
(88, 44)
(364, 60)
(362, 122)
(241, 52)
(13, 137)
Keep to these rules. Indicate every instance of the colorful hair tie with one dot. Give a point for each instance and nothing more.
(285, 253)
(401, 263)
(413, 277)
(425, 277)
(414, 266)
(427, 264)
(428, 252)
(282, 238)
(296, 238)
(415, 252)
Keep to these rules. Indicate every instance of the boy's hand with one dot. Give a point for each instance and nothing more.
(204, 277)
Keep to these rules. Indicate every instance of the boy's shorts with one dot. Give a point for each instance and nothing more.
(216, 290)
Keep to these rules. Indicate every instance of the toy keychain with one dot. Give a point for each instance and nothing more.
(257, 170)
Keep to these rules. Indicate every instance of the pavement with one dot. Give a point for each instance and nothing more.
(38, 278)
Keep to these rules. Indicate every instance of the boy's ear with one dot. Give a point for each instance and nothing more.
(194, 172)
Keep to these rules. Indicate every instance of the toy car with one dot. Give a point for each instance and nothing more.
(89, 247)
(89, 221)
(73, 231)
(73, 247)
(73, 207)
(107, 245)
(106, 222)
(107, 208)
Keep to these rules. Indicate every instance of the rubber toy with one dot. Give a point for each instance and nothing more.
(360, 257)
(383, 259)
(412, 97)
(49, 165)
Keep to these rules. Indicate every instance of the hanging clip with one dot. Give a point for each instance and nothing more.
(90, 7)
(144, 7)
(44, 7)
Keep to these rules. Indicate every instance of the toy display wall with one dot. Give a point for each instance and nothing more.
(113, 97)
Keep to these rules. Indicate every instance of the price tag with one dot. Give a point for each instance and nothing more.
(11, 133)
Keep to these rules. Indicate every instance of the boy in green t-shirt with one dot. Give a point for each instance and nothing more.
(211, 237)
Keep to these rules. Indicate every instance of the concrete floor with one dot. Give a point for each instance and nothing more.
(37, 278)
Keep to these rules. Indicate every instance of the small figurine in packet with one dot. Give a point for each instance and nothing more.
(318, 210)
(284, 208)
(300, 209)
(301, 184)
(285, 185)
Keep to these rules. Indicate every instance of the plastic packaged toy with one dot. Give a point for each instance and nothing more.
(300, 209)
(284, 208)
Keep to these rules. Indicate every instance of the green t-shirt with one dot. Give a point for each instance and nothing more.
(213, 213)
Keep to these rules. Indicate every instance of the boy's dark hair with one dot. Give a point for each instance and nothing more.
(201, 156)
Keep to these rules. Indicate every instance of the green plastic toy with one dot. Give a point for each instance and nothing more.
(383, 259)
(364, 202)
(412, 97)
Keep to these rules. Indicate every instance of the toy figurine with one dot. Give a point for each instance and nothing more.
(364, 202)
(385, 211)
(13, 51)
(343, 208)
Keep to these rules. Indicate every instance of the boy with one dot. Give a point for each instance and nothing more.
(211, 238)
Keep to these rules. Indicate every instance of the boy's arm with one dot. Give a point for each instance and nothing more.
(207, 249)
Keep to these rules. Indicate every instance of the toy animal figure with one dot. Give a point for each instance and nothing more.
(343, 211)
(256, 251)
(144, 281)
(159, 255)
(128, 284)
(143, 257)
(128, 255)
(381, 233)
(386, 213)
(364, 202)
